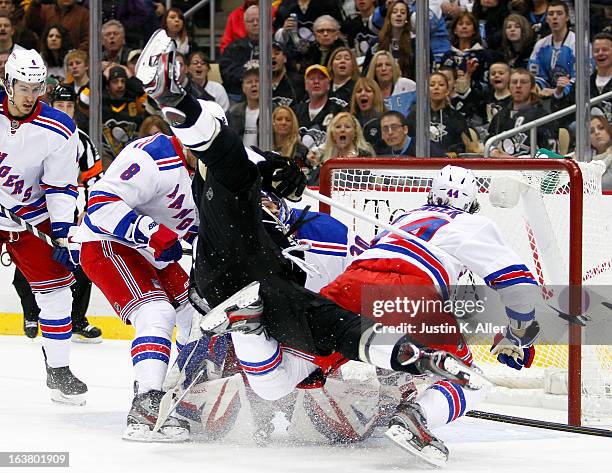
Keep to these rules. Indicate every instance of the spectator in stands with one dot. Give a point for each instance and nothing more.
(395, 37)
(122, 110)
(234, 27)
(447, 128)
(463, 98)
(535, 12)
(114, 50)
(396, 139)
(497, 96)
(297, 34)
(327, 39)
(286, 135)
(238, 53)
(492, 14)
(317, 111)
(467, 55)
(77, 77)
(367, 105)
(54, 45)
(21, 35)
(357, 31)
(133, 15)
(517, 41)
(198, 68)
(173, 22)
(74, 18)
(243, 117)
(553, 59)
(438, 34)
(344, 71)
(132, 60)
(601, 145)
(287, 85)
(6, 35)
(386, 72)
(345, 138)
(152, 125)
(601, 78)
(525, 107)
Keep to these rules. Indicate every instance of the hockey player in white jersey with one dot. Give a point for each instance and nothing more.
(38, 172)
(137, 215)
(449, 239)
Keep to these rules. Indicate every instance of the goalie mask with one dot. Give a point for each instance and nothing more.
(455, 187)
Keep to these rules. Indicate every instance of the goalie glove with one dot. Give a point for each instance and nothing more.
(281, 176)
(515, 347)
(68, 251)
(160, 240)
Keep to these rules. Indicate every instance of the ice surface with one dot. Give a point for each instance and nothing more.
(29, 421)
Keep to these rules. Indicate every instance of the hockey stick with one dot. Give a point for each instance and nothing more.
(166, 405)
(361, 215)
(540, 424)
(28, 226)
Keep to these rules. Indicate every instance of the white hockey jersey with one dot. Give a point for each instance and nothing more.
(449, 241)
(38, 166)
(149, 177)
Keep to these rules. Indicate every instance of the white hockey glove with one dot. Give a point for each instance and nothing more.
(515, 346)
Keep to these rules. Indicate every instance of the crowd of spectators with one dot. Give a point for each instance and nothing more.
(343, 71)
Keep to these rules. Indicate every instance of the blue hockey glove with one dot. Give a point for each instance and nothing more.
(516, 350)
(68, 251)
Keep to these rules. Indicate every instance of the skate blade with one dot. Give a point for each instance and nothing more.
(142, 433)
(401, 437)
(217, 321)
(81, 339)
(75, 400)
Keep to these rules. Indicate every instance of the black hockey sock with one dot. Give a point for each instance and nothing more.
(191, 108)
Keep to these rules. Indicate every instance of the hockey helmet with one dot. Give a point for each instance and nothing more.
(62, 93)
(455, 187)
(25, 65)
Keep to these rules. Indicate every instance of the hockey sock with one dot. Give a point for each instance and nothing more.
(154, 322)
(272, 373)
(56, 325)
(184, 317)
(444, 401)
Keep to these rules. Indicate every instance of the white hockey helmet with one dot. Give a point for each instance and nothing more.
(455, 187)
(25, 65)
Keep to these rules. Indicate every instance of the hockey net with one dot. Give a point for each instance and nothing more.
(552, 213)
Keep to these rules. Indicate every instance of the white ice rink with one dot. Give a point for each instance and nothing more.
(29, 421)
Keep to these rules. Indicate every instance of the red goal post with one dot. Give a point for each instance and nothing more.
(575, 226)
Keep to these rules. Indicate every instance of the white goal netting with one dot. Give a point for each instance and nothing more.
(532, 209)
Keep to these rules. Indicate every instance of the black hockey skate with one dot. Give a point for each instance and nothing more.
(65, 387)
(142, 417)
(241, 312)
(87, 334)
(408, 429)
